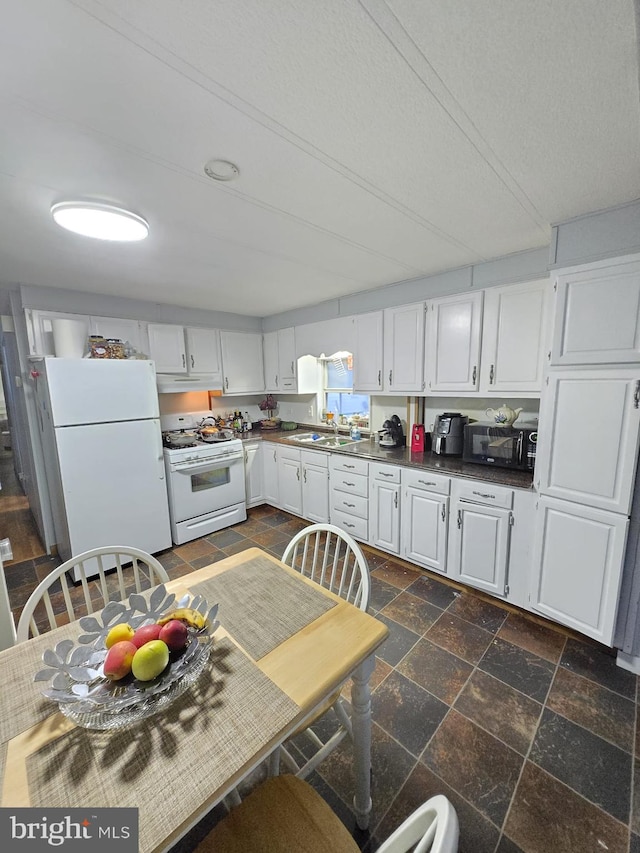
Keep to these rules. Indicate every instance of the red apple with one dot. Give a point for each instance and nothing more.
(119, 660)
(174, 634)
(145, 634)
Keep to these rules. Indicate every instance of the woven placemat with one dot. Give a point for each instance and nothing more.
(261, 605)
(170, 764)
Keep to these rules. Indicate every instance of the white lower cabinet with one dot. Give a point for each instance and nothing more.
(577, 566)
(290, 479)
(425, 513)
(349, 494)
(254, 473)
(315, 485)
(270, 472)
(384, 506)
(479, 546)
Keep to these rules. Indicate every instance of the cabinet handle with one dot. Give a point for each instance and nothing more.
(475, 373)
(346, 524)
(298, 473)
(274, 456)
(226, 382)
(459, 519)
(304, 474)
(349, 466)
(293, 373)
(276, 381)
(390, 375)
(379, 377)
(184, 361)
(636, 396)
(395, 500)
(427, 483)
(491, 376)
(384, 474)
(193, 364)
(443, 513)
(344, 483)
(484, 495)
(352, 506)
(246, 457)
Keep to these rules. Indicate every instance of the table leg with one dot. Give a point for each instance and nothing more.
(361, 724)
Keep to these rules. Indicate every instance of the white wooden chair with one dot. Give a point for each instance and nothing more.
(330, 557)
(285, 814)
(145, 572)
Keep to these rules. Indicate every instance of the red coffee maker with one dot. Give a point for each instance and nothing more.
(417, 438)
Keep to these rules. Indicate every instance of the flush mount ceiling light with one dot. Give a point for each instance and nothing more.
(221, 170)
(102, 221)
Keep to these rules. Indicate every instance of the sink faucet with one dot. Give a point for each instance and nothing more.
(334, 424)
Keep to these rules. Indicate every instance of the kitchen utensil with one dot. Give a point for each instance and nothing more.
(504, 416)
(417, 438)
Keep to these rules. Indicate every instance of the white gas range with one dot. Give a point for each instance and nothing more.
(205, 479)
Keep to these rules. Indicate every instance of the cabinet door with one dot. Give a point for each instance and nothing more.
(203, 347)
(367, 352)
(453, 343)
(40, 331)
(271, 369)
(286, 353)
(404, 348)
(424, 528)
(270, 472)
(315, 493)
(166, 348)
(242, 362)
(514, 336)
(597, 315)
(588, 443)
(254, 474)
(577, 560)
(384, 504)
(479, 546)
(290, 485)
(125, 330)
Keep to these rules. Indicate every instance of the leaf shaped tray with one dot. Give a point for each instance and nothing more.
(89, 698)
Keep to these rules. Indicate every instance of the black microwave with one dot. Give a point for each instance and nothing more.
(502, 447)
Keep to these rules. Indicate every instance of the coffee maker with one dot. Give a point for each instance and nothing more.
(391, 434)
(448, 434)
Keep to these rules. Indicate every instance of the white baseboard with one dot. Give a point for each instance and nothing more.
(629, 662)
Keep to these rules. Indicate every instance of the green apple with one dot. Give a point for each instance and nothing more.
(150, 660)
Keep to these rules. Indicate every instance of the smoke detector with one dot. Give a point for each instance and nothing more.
(221, 170)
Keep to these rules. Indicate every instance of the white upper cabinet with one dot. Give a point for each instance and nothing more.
(203, 352)
(167, 348)
(242, 362)
(514, 338)
(404, 348)
(452, 360)
(125, 330)
(588, 441)
(367, 352)
(280, 361)
(597, 314)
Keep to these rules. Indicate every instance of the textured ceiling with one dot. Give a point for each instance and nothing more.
(377, 141)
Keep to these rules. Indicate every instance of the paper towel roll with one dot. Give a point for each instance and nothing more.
(69, 337)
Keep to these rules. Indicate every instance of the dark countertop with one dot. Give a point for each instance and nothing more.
(369, 449)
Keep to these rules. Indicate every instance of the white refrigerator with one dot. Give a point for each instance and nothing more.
(102, 443)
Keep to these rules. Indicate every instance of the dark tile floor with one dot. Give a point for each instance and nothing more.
(530, 731)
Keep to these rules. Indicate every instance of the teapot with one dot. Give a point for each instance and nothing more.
(504, 416)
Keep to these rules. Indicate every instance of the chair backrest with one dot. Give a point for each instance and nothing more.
(330, 557)
(432, 827)
(144, 573)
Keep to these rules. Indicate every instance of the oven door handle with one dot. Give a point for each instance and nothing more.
(209, 465)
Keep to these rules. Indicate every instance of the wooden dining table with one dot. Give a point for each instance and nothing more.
(284, 645)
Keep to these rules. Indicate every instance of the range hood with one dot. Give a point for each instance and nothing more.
(172, 383)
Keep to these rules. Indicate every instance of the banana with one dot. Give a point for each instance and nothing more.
(185, 614)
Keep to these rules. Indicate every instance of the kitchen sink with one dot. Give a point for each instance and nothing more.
(305, 437)
(332, 441)
(323, 440)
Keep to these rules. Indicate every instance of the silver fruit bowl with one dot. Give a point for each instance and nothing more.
(75, 671)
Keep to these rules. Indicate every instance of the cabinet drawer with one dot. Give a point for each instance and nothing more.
(353, 484)
(357, 527)
(485, 493)
(349, 463)
(426, 480)
(351, 504)
(315, 457)
(285, 452)
(386, 473)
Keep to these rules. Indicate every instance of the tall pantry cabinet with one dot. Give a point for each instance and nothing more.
(588, 446)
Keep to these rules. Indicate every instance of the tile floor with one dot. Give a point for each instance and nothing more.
(531, 732)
